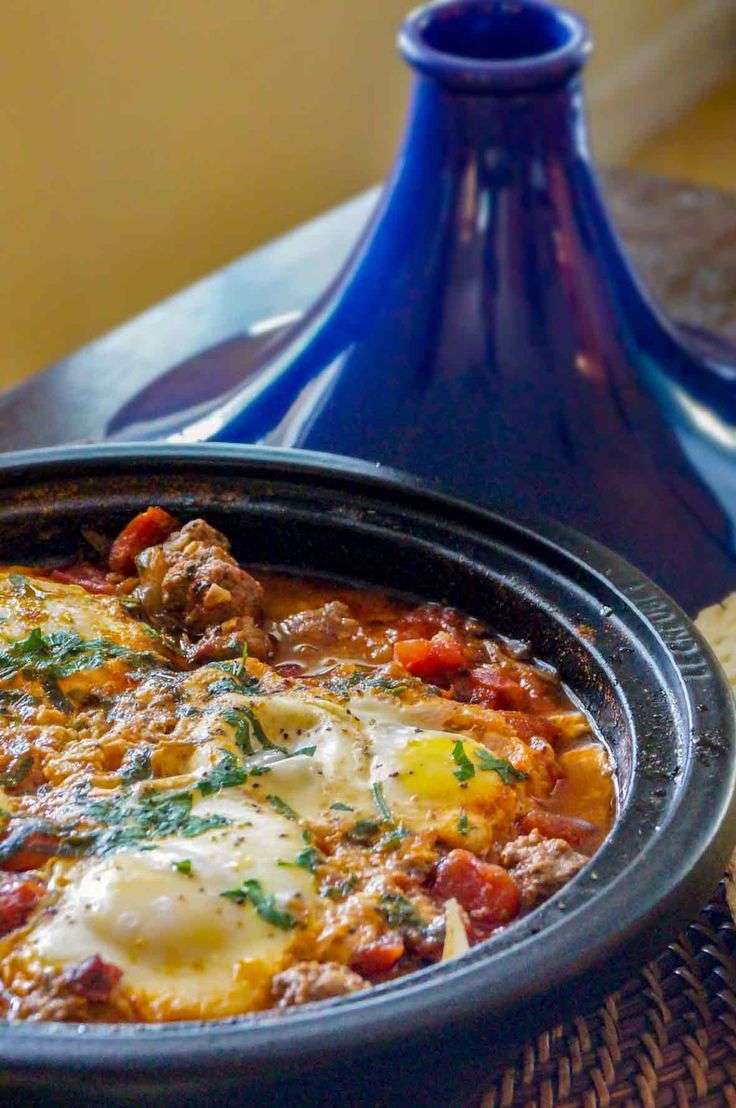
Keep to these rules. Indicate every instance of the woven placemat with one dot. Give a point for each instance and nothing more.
(668, 1037)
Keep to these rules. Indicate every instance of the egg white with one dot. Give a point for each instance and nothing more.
(30, 602)
(184, 949)
(365, 742)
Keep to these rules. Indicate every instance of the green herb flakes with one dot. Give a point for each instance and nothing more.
(399, 912)
(364, 681)
(185, 867)
(251, 891)
(61, 654)
(341, 889)
(224, 775)
(248, 729)
(363, 831)
(465, 768)
(377, 790)
(393, 840)
(309, 859)
(281, 807)
(501, 766)
(156, 815)
(237, 683)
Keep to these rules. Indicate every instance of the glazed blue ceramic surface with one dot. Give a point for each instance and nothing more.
(488, 333)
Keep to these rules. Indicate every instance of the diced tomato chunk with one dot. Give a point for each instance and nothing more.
(18, 897)
(91, 577)
(492, 687)
(526, 727)
(577, 832)
(487, 892)
(501, 689)
(146, 529)
(33, 852)
(94, 979)
(377, 958)
(431, 659)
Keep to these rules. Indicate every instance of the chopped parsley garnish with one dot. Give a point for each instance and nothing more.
(238, 679)
(341, 889)
(309, 859)
(197, 825)
(185, 866)
(363, 680)
(281, 806)
(155, 815)
(239, 669)
(241, 725)
(246, 684)
(225, 774)
(501, 766)
(363, 831)
(393, 840)
(463, 824)
(251, 891)
(377, 790)
(338, 806)
(247, 728)
(62, 653)
(465, 768)
(399, 912)
(4, 815)
(153, 632)
(18, 772)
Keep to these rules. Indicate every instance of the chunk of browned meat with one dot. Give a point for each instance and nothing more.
(540, 866)
(80, 994)
(193, 581)
(309, 981)
(197, 530)
(319, 627)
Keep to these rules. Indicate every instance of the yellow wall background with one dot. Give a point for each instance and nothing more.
(146, 142)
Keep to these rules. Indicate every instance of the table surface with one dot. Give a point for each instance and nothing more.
(682, 240)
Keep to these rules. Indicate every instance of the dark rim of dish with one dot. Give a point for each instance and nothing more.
(695, 817)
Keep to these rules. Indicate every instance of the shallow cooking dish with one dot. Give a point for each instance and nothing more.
(624, 650)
